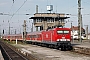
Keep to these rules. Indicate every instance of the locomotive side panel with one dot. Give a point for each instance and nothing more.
(48, 36)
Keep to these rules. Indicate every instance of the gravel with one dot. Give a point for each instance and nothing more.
(44, 53)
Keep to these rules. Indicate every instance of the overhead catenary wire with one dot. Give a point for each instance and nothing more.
(71, 7)
(18, 9)
(9, 11)
(86, 2)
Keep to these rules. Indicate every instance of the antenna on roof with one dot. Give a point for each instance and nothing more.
(36, 8)
(49, 8)
(56, 9)
(13, 1)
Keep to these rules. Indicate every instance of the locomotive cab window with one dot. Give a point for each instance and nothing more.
(62, 32)
(66, 32)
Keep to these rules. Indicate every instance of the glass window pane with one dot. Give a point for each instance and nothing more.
(59, 32)
(66, 32)
(62, 32)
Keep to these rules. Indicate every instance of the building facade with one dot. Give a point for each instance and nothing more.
(74, 30)
(45, 20)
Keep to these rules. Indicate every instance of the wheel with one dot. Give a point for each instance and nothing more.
(63, 48)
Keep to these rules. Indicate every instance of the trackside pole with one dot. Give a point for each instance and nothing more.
(16, 41)
(72, 39)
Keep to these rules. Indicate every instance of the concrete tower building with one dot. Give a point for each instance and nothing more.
(45, 20)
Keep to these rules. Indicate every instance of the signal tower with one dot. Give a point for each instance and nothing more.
(45, 20)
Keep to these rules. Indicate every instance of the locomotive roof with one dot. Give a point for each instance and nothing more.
(60, 28)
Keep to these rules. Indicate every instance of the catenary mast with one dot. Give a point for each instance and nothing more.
(79, 20)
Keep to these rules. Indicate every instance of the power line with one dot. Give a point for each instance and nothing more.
(87, 2)
(77, 14)
(18, 9)
(71, 7)
(9, 11)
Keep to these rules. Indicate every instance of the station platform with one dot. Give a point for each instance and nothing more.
(81, 47)
(84, 43)
(1, 57)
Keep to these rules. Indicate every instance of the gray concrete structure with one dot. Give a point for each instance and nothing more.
(45, 20)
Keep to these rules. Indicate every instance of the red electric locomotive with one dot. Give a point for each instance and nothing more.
(60, 37)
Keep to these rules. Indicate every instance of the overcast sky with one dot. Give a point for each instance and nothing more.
(21, 7)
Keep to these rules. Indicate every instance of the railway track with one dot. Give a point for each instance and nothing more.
(74, 49)
(81, 50)
(16, 56)
(44, 53)
(9, 53)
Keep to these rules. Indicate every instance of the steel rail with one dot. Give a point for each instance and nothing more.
(8, 50)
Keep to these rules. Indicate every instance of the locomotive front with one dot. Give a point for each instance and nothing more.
(63, 37)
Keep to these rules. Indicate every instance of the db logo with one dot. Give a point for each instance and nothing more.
(46, 35)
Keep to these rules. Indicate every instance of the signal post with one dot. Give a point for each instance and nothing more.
(24, 31)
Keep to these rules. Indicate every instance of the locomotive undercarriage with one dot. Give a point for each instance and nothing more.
(60, 45)
(64, 45)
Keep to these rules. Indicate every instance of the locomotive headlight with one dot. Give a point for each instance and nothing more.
(65, 40)
(62, 39)
(68, 39)
(57, 39)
